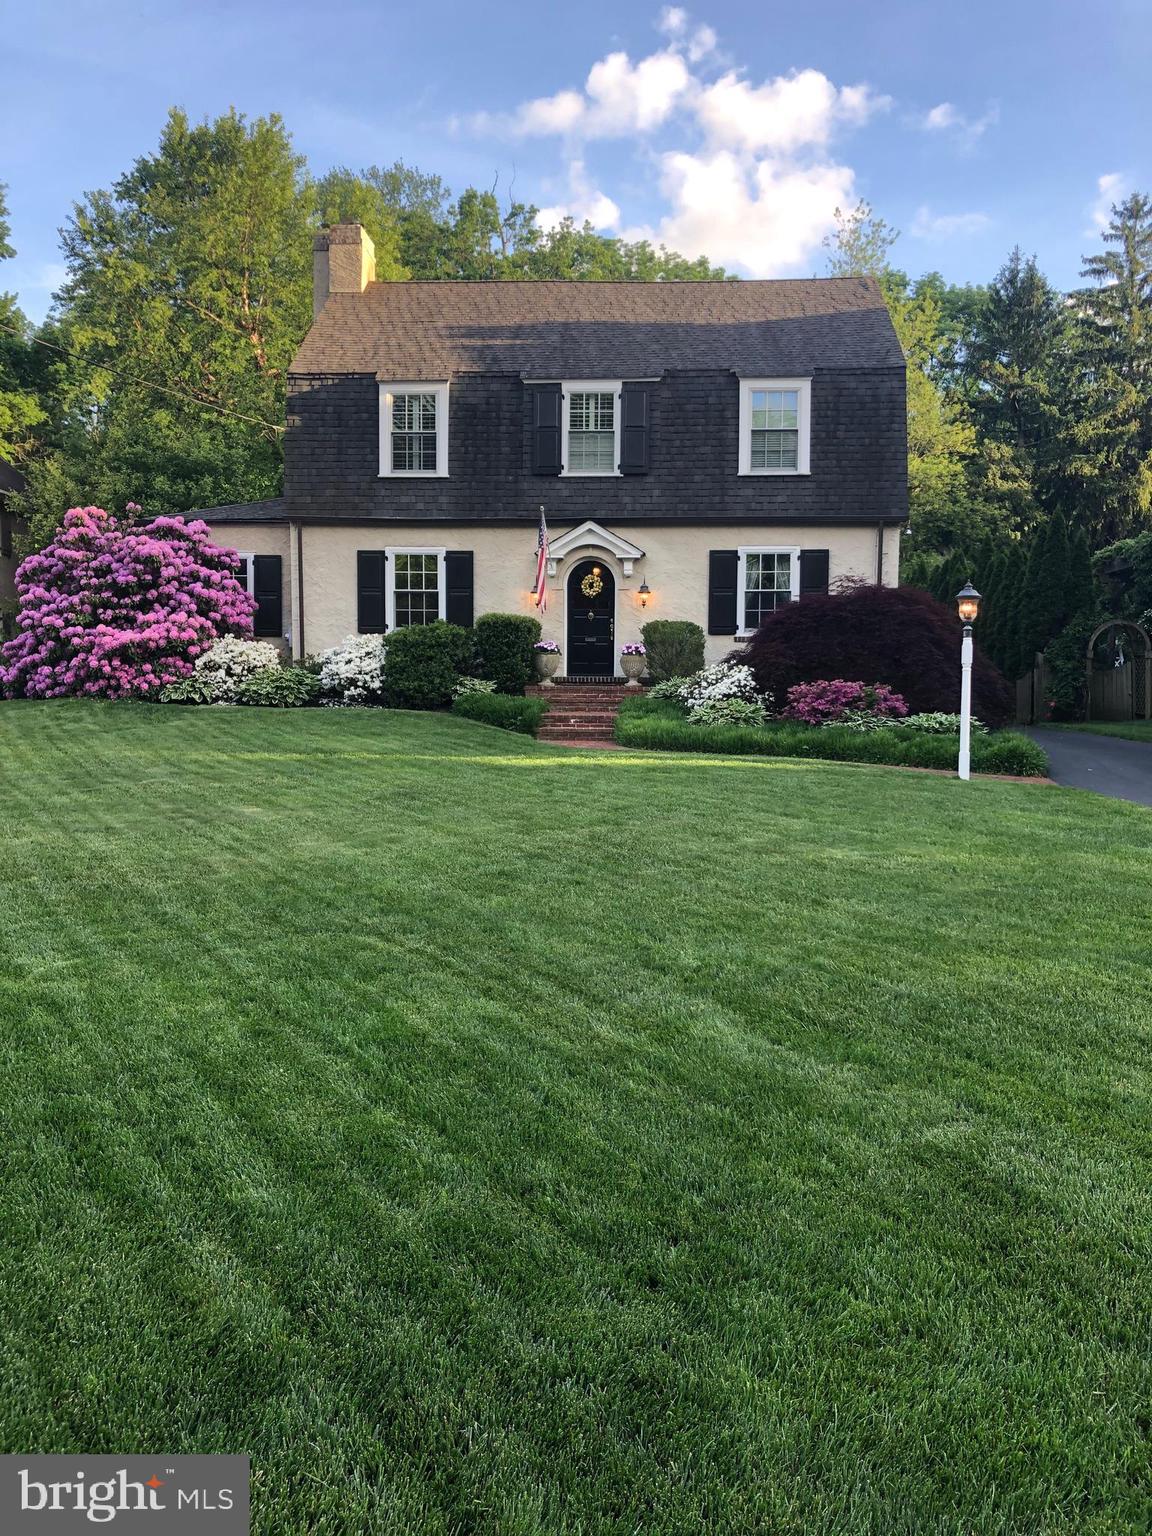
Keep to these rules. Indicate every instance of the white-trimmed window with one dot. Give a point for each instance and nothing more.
(775, 426)
(767, 578)
(414, 591)
(246, 575)
(414, 429)
(591, 420)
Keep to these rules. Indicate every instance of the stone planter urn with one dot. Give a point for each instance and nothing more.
(546, 665)
(632, 668)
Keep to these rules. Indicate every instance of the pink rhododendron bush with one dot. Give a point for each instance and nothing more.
(836, 700)
(119, 611)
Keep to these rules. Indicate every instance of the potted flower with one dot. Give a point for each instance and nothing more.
(547, 654)
(633, 660)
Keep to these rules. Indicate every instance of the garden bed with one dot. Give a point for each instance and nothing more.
(659, 725)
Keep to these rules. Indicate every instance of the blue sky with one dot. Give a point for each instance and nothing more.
(724, 128)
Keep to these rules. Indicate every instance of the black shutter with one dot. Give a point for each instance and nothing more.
(546, 407)
(723, 568)
(635, 430)
(268, 590)
(813, 572)
(458, 587)
(370, 578)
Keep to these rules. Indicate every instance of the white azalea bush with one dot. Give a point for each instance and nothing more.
(353, 672)
(722, 680)
(230, 662)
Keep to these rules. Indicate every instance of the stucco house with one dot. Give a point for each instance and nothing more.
(701, 451)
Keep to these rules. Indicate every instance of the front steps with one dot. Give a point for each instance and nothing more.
(580, 714)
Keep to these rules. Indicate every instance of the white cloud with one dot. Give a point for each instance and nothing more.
(752, 182)
(765, 218)
(585, 204)
(618, 98)
(947, 118)
(1110, 188)
(793, 111)
(943, 226)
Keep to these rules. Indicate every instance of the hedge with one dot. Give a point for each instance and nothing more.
(510, 714)
(650, 725)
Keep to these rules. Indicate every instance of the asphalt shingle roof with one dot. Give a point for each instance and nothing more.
(557, 330)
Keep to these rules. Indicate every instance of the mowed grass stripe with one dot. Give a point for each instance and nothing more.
(490, 1140)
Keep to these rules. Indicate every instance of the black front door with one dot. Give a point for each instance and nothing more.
(591, 621)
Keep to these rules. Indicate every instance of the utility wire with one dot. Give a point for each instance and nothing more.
(164, 389)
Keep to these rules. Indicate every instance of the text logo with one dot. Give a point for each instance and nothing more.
(66, 1494)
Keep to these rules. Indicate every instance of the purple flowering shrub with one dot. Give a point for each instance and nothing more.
(827, 702)
(118, 611)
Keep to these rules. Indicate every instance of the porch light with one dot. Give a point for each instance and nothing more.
(644, 592)
(968, 603)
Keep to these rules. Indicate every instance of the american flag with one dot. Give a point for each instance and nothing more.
(542, 565)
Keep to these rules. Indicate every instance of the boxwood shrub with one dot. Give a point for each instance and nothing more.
(509, 714)
(675, 648)
(654, 725)
(422, 663)
(504, 644)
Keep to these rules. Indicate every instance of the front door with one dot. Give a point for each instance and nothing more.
(591, 621)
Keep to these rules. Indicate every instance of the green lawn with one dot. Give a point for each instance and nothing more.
(490, 1138)
(1132, 730)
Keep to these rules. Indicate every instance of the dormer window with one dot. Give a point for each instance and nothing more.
(414, 429)
(775, 426)
(591, 427)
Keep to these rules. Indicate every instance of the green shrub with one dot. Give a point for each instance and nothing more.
(509, 714)
(656, 725)
(504, 644)
(675, 648)
(422, 663)
(281, 688)
(1009, 752)
(196, 689)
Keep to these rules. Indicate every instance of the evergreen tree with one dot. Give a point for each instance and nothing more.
(1080, 589)
(1108, 447)
(1042, 609)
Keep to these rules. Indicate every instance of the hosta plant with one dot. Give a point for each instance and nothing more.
(466, 685)
(937, 723)
(279, 688)
(729, 712)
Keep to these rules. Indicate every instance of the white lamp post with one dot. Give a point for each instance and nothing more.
(967, 606)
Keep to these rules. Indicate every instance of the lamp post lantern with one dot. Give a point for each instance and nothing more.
(968, 607)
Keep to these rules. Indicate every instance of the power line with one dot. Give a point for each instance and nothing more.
(164, 389)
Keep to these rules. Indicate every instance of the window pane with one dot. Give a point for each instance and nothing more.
(767, 586)
(591, 432)
(416, 589)
(414, 432)
(775, 450)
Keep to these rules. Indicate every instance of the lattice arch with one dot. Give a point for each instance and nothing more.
(1141, 658)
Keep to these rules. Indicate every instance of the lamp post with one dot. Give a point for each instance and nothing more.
(967, 606)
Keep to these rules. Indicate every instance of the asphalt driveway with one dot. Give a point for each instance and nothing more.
(1107, 764)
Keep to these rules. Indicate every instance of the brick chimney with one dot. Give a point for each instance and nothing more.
(343, 261)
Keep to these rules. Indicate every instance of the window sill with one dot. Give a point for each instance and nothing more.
(591, 474)
(412, 474)
(755, 474)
